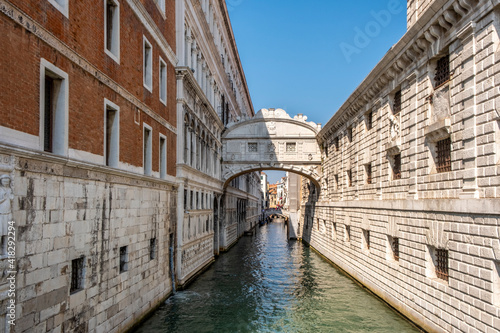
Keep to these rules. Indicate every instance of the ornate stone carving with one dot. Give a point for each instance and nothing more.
(394, 126)
(6, 200)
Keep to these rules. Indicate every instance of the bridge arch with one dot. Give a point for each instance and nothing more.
(272, 140)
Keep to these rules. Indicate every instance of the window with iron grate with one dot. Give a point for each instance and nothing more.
(291, 147)
(443, 155)
(123, 259)
(396, 106)
(252, 147)
(442, 74)
(395, 248)
(442, 264)
(349, 134)
(368, 170)
(396, 169)
(77, 274)
(369, 120)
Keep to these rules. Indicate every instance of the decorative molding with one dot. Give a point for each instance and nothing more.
(439, 130)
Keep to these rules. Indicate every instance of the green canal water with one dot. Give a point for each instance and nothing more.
(266, 283)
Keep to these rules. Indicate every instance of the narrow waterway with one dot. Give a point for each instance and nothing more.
(268, 284)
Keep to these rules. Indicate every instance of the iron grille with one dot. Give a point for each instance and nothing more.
(442, 71)
(396, 108)
(368, 173)
(395, 248)
(444, 155)
(76, 274)
(291, 147)
(442, 264)
(369, 120)
(397, 167)
(252, 147)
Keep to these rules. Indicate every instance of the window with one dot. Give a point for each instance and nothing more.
(337, 185)
(334, 230)
(197, 200)
(336, 143)
(77, 274)
(161, 5)
(368, 171)
(349, 134)
(437, 263)
(123, 259)
(442, 74)
(349, 178)
(152, 248)
(185, 199)
(61, 5)
(347, 236)
(396, 106)
(148, 65)
(147, 151)
(443, 155)
(369, 120)
(191, 201)
(496, 283)
(393, 243)
(366, 239)
(291, 147)
(163, 81)
(396, 167)
(163, 156)
(252, 147)
(112, 29)
(53, 109)
(3, 245)
(111, 134)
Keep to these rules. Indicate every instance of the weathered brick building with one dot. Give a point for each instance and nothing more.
(88, 139)
(410, 200)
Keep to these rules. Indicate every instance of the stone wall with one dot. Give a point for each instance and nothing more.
(420, 233)
(64, 212)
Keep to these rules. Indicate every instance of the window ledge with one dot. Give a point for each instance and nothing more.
(393, 147)
(113, 56)
(439, 130)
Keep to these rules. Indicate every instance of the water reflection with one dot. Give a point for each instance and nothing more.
(268, 284)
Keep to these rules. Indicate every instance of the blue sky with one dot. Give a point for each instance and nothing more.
(308, 56)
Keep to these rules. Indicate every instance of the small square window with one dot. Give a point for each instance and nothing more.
(152, 248)
(442, 75)
(291, 147)
(253, 147)
(437, 263)
(123, 259)
(77, 274)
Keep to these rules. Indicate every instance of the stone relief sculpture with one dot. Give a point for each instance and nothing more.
(6, 199)
(394, 126)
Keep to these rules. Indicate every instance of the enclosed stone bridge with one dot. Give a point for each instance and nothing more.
(272, 140)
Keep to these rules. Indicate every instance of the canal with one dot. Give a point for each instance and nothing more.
(266, 283)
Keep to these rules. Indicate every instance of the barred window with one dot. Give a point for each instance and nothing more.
(442, 71)
(291, 147)
(366, 234)
(444, 155)
(123, 259)
(152, 248)
(77, 274)
(396, 107)
(442, 264)
(368, 169)
(395, 248)
(349, 134)
(336, 143)
(369, 120)
(252, 147)
(396, 170)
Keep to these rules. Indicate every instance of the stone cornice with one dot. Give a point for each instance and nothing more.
(47, 37)
(422, 36)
